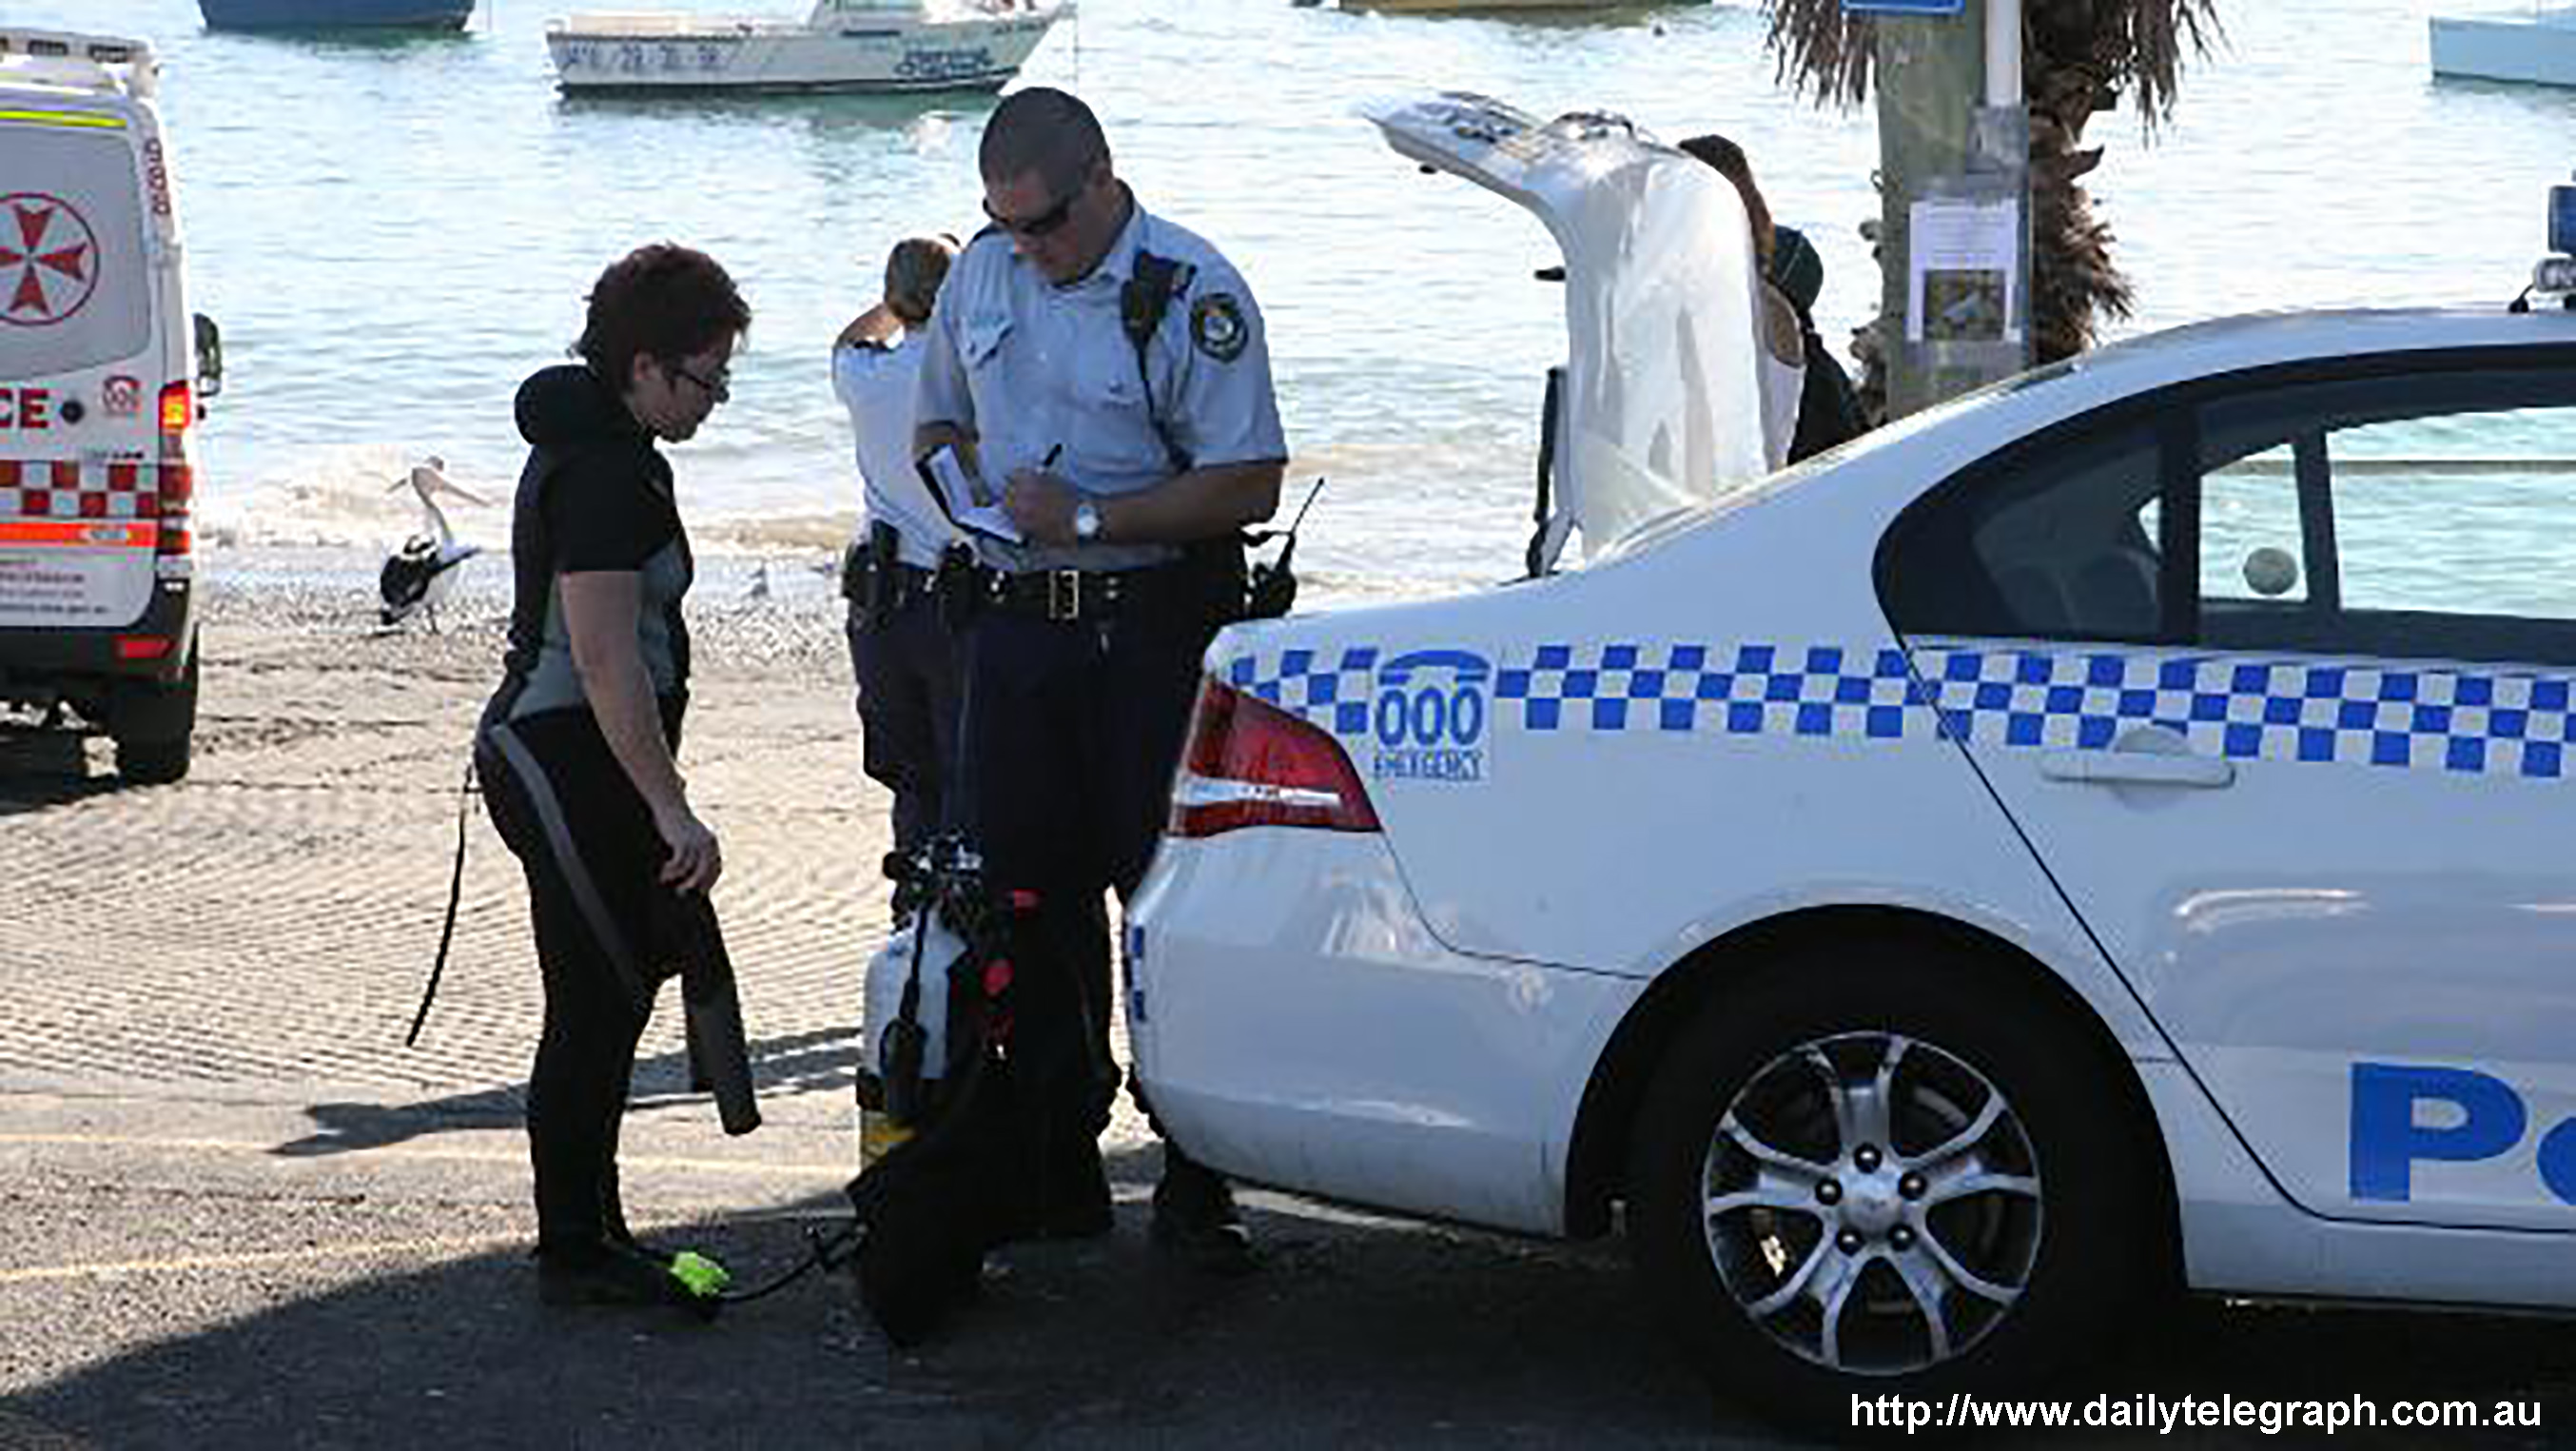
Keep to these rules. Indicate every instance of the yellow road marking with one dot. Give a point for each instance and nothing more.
(460, 1156)
(186, 1263)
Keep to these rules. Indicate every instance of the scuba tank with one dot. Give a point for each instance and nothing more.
(905, 1007)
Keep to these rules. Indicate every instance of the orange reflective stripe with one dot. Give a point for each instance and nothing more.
(78, 533)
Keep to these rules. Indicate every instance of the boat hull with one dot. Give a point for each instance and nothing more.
(961, 55)
(2538, 47)
(1475, 7)
(336, 14)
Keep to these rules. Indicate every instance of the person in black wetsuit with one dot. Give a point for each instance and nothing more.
(578, 747)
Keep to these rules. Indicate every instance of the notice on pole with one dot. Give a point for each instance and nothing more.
(1964, 262)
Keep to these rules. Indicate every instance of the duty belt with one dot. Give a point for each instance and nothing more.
(899, 584)
(1077, 594)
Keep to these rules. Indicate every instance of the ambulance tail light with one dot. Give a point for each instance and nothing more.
(1249, 763)
(175, 481)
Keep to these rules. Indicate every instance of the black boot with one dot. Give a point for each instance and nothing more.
(1195, 1219)
(610, 1273)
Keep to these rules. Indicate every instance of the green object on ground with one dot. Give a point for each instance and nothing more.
(699, 1275)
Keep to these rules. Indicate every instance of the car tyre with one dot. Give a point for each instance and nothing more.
(153, 763)
(1857, 1178)
(154, 730)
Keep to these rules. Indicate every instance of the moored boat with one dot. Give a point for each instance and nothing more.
(844, 45)
(2537, 45)
(1444, 7)
(336, 14)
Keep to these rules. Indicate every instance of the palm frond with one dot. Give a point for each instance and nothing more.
(1818, 49)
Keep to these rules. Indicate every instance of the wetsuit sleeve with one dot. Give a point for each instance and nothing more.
(1226, 411)
(601, 517)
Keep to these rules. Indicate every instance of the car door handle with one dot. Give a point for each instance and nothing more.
(2136, 768)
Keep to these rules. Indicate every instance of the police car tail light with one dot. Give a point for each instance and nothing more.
(1250, 763)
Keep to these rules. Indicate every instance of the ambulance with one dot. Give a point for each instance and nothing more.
(100, 382)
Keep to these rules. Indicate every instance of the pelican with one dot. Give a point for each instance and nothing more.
(418, 575)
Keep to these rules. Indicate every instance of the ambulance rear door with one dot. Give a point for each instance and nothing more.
(88, 341)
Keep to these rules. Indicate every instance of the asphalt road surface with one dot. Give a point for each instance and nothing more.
(239, 1213)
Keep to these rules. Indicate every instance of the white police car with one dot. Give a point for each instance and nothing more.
(2111, 829)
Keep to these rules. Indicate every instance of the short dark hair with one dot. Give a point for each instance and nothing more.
(662, 301)
(1044, 130)
(913, 273)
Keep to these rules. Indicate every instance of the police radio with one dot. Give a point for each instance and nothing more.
(1273, 591)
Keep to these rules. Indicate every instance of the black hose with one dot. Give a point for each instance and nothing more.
(822, 1252)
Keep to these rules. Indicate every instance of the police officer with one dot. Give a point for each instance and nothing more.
(1103, 371)
(902, 654)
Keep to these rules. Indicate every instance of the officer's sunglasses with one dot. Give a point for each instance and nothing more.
(1040, 225)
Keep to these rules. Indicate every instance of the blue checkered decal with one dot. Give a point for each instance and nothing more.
(2318, 712)
(1820, 690)
(1335, 696)
(2500, 723)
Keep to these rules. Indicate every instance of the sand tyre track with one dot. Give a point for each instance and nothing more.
(1889, 1176)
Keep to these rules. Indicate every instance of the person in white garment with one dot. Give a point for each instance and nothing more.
(904, 656)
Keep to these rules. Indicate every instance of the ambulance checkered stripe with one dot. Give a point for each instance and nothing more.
(2479, 722)
(75, 490)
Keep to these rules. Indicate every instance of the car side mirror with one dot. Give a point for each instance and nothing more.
(210, 357)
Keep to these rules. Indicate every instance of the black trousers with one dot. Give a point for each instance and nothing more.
(909, 670)
(592, 857)
(1070, 736)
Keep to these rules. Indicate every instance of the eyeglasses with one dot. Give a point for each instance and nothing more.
(1039, 225)
(719, 387)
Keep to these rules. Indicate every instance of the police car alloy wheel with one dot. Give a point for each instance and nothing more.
(1891, 1170)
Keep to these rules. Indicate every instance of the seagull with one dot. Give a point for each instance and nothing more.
(418, 575)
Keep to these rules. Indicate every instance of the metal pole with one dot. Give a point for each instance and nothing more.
(1954, 146)
(2003, 52)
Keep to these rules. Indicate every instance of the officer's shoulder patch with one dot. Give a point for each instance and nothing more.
(1217, 327)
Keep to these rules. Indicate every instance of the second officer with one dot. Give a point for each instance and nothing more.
(1104, 371)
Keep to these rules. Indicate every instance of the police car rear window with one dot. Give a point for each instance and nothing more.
(74, 290)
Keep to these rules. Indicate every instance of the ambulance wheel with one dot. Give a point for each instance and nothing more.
(153, 763)
(153, 727)
(1894, 1176)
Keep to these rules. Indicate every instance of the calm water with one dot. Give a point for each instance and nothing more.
(393, 233)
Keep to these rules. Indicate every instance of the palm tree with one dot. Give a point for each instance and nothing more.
(2078, 57)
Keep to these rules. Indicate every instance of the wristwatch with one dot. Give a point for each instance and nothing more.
(1086, 521)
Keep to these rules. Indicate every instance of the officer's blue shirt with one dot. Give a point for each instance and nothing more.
(1030, 367)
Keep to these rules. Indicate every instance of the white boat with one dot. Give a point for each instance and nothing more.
(1489, 7)
(2538, 44)
(845, 45)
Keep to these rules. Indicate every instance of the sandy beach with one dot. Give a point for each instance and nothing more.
(307, 856)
